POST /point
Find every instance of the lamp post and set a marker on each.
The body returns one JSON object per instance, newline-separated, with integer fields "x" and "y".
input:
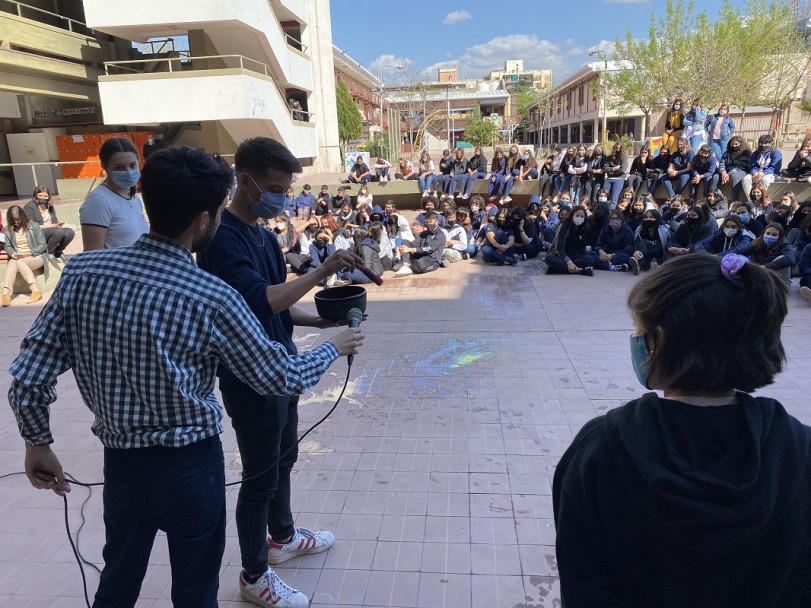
{"x": 602, "y": 91}
{"x": 383, "y": 67}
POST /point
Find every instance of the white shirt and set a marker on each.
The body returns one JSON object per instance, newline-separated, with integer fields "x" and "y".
{"x": 123, "y": 218}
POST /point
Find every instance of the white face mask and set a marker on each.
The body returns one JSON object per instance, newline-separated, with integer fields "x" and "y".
{"x": 578, "y": 220}
{"x": 730, "y": 232}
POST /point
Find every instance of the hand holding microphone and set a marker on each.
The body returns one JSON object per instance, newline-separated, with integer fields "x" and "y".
{"x": 350, "y": 340}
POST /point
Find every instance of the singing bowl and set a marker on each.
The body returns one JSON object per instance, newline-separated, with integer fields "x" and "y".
{"x": 334, "y": 303}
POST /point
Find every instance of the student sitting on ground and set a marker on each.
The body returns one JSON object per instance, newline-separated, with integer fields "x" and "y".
{"x": 499, "y": 239}
{"x": 567, "y": 253}
{"x": 525, "y": 234}
{"x": 731, "y": 237}
{"x": 691, "y": 232}
{"x": 615, "y": 245}
{"x": 425, "y": 253}
{"x": 772, "y": 251}
{"x": 455, "y": 239}
{"x": 804, "y": 266}
{"x": 323, "y": 202}
{"x": 650, "y": 242}
{"x": 305, "y": 202}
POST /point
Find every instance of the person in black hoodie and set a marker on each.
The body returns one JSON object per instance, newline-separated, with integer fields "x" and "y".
{"x": 691, "y": 232}
{"x": 425, "y": 253}
{"x": 702, "y": 497}
{"x": 567, "y": 253}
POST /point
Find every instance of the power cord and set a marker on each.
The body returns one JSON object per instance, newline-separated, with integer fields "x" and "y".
{"x": 74, "y": 545}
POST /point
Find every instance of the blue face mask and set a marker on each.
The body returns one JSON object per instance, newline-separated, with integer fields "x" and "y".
{"x": 640, "y": 359}
{"x": 270, "y": 205}
{"x": 770, "y": 240}
{"x": 125, "y": 179}
{"x": 744, "y": 217}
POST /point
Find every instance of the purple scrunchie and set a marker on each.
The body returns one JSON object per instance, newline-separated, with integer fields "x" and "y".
{"x": 731, "y": 265}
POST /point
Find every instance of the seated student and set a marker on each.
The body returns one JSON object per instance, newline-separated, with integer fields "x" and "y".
{"x": 746, "y": 213}
{"x": 455, "y": 239}
{"x": 359, "y": 173}
{"x": 463, "y": 220}
{"x": 673, "y": 213}
{"x": 799, "y": 169}
{"x": 634, "y": 214}
{"x": 442, "y": 180}
{"x": 734, "y": 165}
{"x": 499, "y": 240}
{"x": 679, "y": 169}
{"x": 658, "y": 169}
{"x": 382, "y": 170}
{"x": 40, "y": 211}
{"x": 323, "y": 202}
{"x": 425, "y": 253}
{"x": 306, "y": 232}
{"x": 764, "y": 165}
{"x": 639, "y": 170}
{"x": 478, "y": 214}
{"x": 405, "y": 170}
{"x": 513, "y": 169}
{"x": 458, "y": 173}
{"x": 320, "y": 250}
{"x": 568, "y": 251}
{"x": 525, "y": 234}
{"x": 429, "y": 205}
{"x": 707, "y": 484}
{"x": 498, "y": 170}
{"x": 704, "y": 176}
{"x": 529, "y": 167}
{"x": 425, "y": 173}
{"x": 287, "y": 237}
{"x": 616, "y": 170}
{"x": 650, "y": 242}
{"x": 691, "y": 232}
{"x": 731, "y": 237}
{"x": 305, "y": 202}
{"x": 546, "y": 176}
{"x": 772, "y": 251}
{"x": 804, "y": 265}
{"x": 799, "y": 228}
{"x": 27, "y": 251}
{"x": 290, "y": 202}
{"x": 563, "y": 178}
{"x": 625, "y": 201}
{"x": 364, "y": 197}
{"x": 615, "y": 245}
{"x": 344, "y": 238}
{"x": 595, "y": 223}
{"x": 578, "y": 174}
{"x": 369, "y": 248}
{"x": 341, "y": 199}
{"x": 718, "y": 204}
{"x": 346, "y": 217}
{"x": 476, "y": 169}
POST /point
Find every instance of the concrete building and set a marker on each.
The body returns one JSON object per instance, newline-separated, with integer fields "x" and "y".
{"x": 249, "y": 61}
{"x": 515, "y": 74}
{"x": 365, "y": 89}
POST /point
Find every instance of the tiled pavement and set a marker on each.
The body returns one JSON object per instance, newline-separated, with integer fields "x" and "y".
{"x": 434, "y": 472}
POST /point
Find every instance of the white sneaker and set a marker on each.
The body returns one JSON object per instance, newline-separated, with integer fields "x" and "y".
{"x": 806, "y": 293}
{"x": 404, "y": 271}
{"x": 271, "y": 592}
{"x": 304, "y": 542}
{"x": 506, "y": 199}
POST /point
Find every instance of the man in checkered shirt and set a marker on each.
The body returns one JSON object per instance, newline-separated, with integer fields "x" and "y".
{"x": 144, "y": 330}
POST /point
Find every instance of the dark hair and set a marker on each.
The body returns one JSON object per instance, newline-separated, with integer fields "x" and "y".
{"x": 656, "y": 215}
{"x": 765, "y": 139}
{"x": 695, "y": 231}
{"x": 432, "y": 199}
{"x": 113, "y": 146}
{"x": 15, "y": 211}
{"x": 732, "y": 218}
{"x": 758, "y": 242}
{"x": 258, "y": 154}
{"x": 431, "y": 215}
{"x": 748, "y": 206}
{"x": 569, "y": 221}
{"x": 375, "y": 231}
{"x": 462, "y": 214}
{"x": 618, "y": 214}
{"x": 40, "y": 190}
{"x": 518, "y": 212}
{"x": 594, "y": 221}
{"x": 682, "y": 299}
{"x": 180, "y": 182}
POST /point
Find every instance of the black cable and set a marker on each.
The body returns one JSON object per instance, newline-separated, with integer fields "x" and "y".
{"x": 77, "y": 554}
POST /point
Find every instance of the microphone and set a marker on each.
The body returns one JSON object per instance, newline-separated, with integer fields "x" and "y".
{"x": 353, "y": 319}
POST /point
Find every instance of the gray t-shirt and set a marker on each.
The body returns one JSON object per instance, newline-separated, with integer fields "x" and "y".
{"x": 123, "y": 218}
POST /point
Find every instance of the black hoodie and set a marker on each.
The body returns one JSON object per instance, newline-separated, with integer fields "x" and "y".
{"x": 662, "y": 504}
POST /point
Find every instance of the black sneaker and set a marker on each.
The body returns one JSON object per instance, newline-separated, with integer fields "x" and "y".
{"x": 587, "y": 271}
{"x": 511, "y": 261}
{"x": 465, "y": 256}
{"x": 634, "y": 264}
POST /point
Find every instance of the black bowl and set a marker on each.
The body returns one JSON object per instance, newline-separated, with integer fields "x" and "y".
{"x": 334, "y": 303}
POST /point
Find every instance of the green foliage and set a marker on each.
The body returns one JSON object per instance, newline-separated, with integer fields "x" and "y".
{"x": 478, "y": 131}
{"x": 377, "y": 146}
{"x": 805, "y": 105}
{"x": 349, "y": 123}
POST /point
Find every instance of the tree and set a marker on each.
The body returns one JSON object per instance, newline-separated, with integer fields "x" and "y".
{"x": 349, "y": 123}
{"x": 478, "y": 131}
{"x": 378, "y": 145}
{"x": 628, "y": 88}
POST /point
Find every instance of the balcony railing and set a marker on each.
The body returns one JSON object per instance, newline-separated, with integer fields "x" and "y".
{"x": 20, "y": 9}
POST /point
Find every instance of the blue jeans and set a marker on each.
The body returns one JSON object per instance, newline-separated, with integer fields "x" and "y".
{"x": 458, "y": 180}
{"x": 719, "y": 146}
{"x": 680, "y": 180}
{"x": 178, "y": 490}
{"x": 495, "y": 184}
{"x": 614, "y": 185}
{"x": 442, "y": 182}
{"x": 265, "y": 426}
{"x": 470, "y": 179}
{"x": 425, "y": 182}
{"x": 562, "y": 183}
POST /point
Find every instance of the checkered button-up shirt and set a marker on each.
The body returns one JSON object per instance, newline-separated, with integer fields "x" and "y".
{"x": 144, "y": 329}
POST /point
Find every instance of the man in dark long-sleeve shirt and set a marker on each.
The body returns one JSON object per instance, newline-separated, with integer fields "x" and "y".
{"x": 144, "y": 331}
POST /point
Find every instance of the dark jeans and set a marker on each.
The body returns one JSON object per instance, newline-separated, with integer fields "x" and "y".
{"x": 57, "y": 239}
{"x": 492, "y": 255}
{"x": 705, "y": 185}
{"x": 178, "y": 490}
{"x": 265, "y": 426}
{"x": 558, "y": 265}
{"x": 675, "y": 185}
{"x": 620, "y": 258}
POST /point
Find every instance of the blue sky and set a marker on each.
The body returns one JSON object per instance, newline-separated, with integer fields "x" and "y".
{"x": 479, "y": 36}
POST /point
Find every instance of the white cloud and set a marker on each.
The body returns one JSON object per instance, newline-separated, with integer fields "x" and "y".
{"x": 455, "y": 17}
{"x": 391, "y": 75}
{"x": 479, "y": 59}
{"x": 603, "y": 45}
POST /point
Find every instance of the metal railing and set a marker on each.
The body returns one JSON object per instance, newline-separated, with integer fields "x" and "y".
{"x": 296, "y": 43}
{"x": 72, "y": 24}
{"x": 228, "y": 61}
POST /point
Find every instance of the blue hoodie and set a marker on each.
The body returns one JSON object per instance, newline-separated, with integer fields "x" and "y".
{"x": 305, "y": 201}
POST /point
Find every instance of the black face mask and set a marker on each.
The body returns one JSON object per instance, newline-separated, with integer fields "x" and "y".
{"x": 500, "y": 223}
{"x": 600, "y": 215}
{"x": 649, "y": 223}
{"x": 763, "y": 147}
{"x": 692, "y": 221}
{"x": 320, "y": 243}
